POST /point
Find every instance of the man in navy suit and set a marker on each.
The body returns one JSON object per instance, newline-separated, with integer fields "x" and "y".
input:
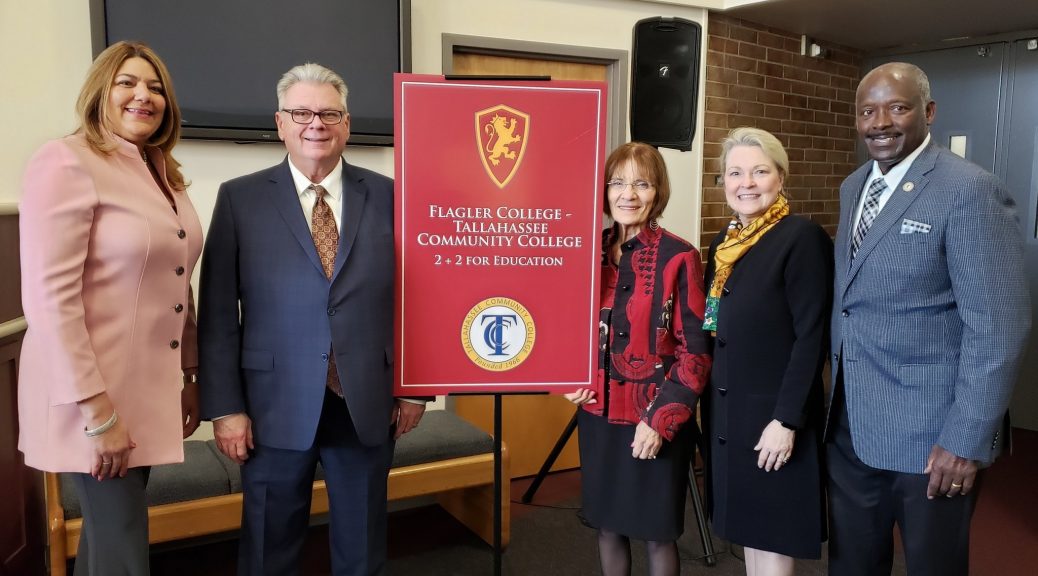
{"x": 930, "y": 318}
{"x": 296, "y": 336}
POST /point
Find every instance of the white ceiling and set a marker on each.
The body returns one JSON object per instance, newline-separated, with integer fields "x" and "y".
{"x": 877, "y": 24}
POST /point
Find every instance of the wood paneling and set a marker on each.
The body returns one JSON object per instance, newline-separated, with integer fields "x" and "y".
{"x": 530, "y": 425}
{"x": 22, "y": 533}
{"x": 10, "y": 279}
{"x": 22, "y": 513}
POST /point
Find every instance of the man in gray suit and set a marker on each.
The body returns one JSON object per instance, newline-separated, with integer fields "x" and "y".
{"x": 930, "y": 317}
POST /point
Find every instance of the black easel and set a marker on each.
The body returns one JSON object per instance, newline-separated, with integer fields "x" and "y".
{"x": 497, "y": 484}
{"x": 498, "y": 475}
{"x": 494, "y": 77}
{"x": 697, "y": 500}
{"x": 498, "y": 480}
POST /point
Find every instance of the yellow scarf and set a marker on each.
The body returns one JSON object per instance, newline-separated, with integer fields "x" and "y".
{"x": 738, "y": 240}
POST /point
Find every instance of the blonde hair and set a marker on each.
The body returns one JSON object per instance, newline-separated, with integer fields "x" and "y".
{"x": 762, "y": 139}
{"x": 650, "y": 164}
{"x": 92, "y": 109}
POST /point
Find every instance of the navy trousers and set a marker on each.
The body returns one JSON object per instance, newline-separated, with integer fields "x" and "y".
{"x": 866, "y": 503}
{"x": 277, "y": 487}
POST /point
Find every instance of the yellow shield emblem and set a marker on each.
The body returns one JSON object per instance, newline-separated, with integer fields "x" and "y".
{"x": 501, "y": 134}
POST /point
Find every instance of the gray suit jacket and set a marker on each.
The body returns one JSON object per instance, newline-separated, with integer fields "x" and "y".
{"x": 931, "y": 317}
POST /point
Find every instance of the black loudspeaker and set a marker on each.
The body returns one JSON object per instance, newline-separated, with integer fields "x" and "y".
{"x": 665, "y": 82}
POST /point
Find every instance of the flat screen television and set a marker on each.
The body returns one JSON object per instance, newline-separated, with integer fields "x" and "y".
{"x": 226, "y": 56}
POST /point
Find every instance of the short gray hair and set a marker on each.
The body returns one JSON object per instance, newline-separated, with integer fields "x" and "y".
{"x": 311, "y": 73}
{"x": 911, "y": 71}
{"x": 762, "y": 139}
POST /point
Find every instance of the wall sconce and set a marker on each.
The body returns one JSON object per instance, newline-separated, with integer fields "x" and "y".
{"x": 808, "y": 47}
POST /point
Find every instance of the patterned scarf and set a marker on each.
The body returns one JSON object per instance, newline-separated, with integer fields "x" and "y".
{"x": 738, "y": 240}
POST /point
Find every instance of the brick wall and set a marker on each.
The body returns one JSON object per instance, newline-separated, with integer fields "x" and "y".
{"x": 755, "y": 76}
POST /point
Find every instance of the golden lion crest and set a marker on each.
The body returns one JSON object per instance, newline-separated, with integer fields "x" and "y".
{"x": 501, "y": 132}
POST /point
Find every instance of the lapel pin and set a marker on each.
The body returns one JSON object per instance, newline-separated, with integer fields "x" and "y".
{"x": 908, "y": 187}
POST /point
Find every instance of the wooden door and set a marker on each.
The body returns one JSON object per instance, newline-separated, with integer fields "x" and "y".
{"x": 485, "y": 64}
{"x": 530, "y": 424}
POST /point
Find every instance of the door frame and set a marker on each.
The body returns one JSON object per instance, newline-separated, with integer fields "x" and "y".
{"x": 615, "y": 62}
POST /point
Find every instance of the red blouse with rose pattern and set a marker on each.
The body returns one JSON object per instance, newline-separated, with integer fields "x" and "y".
{"x": 654, "y": 359}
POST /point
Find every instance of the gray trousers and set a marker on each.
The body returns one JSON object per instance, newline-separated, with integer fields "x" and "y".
{"x": 114, "y": 540}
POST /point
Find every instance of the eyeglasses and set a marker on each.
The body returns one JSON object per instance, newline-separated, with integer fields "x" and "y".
{"x": 304, "y": 116}
{"x": 620, "y": 185}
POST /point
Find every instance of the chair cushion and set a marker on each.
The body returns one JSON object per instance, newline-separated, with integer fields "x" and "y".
{"x": 200, "y": 475}
{"x": 232, "y": 470}
{"x": 440, "y": 435}
{"x": 205, "y": 472}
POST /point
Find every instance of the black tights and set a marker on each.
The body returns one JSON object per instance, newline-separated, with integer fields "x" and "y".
{"x": 614, "y": 552}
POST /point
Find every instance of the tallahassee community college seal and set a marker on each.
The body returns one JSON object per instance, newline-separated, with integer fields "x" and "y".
{"x": 498, "y": 334}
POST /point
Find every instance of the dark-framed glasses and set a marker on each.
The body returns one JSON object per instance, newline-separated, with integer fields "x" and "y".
{"x": 617, "y": 185}
{"x": 306, "y": 116}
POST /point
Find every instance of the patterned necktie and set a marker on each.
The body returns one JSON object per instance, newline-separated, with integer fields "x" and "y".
{"x": 326, "y": 240}
{"x": 868, "y": 213}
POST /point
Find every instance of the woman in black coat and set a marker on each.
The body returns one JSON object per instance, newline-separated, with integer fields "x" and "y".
{"x": 769, "y": 279}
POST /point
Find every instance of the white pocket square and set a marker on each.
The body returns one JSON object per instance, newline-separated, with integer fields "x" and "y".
{"x": 913, "y": 227}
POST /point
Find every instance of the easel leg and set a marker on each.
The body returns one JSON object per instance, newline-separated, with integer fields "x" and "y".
{"x": 697, "y": 505}
{"x": 497, "y": 485}
{"x": 550, "y": 460}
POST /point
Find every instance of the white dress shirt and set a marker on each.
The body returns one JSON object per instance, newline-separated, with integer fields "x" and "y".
{"x": 893, "y": 179}
{"x": 307, "y": 197}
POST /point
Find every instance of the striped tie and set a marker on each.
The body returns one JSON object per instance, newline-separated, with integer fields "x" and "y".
{"x": 868, "y": 213}
{"x": 326, "y": 240}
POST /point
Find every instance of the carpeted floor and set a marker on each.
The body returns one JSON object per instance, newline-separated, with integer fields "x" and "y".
{"x": 549, "y": 540}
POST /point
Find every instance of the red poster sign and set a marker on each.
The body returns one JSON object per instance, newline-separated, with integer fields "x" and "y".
{"x": 498, "y": 234}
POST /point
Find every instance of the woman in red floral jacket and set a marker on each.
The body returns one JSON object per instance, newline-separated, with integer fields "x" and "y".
{"x": 635, "y": 444}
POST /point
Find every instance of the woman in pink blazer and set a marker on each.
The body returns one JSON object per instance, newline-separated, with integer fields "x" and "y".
{"x": 108, "y": 243}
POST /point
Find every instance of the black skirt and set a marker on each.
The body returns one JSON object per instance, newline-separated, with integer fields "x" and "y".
{"x": 642, "y": 499}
